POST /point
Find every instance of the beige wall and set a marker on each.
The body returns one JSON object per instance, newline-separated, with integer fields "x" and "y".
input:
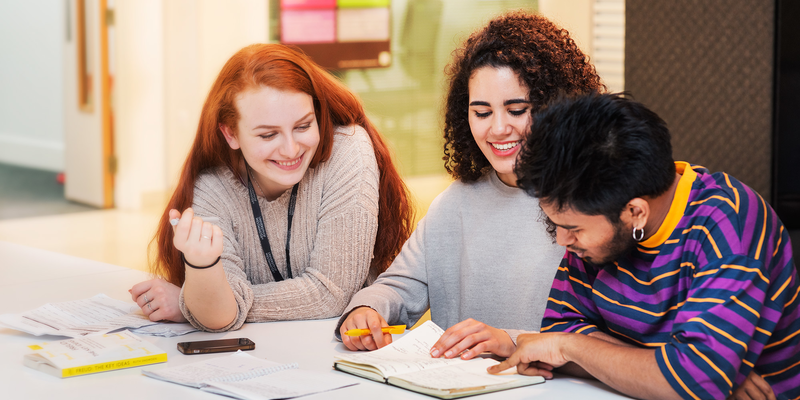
{"x": 576, "y": 16}
{"x": 138, "y": 99}
{"x": 167, "y": 54}
{"x": 200, "y": 36}
{"x": 598, "y": 27}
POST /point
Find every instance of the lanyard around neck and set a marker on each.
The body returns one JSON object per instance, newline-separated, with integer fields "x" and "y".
{"x": 262, "y": 231}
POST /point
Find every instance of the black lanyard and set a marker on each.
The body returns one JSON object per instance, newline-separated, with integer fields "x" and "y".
{"x": 262, "y": 232}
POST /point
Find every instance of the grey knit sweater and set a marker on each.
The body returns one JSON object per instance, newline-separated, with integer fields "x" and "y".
{"x": 333, "y": 235}
{"x": 481, "y": 252}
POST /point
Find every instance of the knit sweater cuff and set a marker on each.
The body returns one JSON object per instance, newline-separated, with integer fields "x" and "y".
{"x": 514, "y": 333}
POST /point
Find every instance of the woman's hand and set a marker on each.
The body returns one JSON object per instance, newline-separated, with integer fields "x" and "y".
{"x": 200, "y": 242}
{"x": 472, "y": 338}
{"x": 158, "y": 300}
{"x": 365, "y": 318}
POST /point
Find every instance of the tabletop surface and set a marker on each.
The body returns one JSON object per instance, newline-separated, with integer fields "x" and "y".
{"x": 31, "y": 277}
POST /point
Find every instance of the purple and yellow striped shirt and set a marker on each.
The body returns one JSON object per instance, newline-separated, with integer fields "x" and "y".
{"x": 714, "y": 292}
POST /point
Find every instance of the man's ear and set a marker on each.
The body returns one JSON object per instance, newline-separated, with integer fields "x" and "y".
{"x": 230, "y": 137}
{"x": 636, "y": 212}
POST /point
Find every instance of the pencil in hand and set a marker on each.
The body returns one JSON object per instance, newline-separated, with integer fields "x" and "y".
{"x": 394, "y": 329}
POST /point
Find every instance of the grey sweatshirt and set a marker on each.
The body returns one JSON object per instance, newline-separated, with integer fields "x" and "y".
{"x": 481, "y": 252}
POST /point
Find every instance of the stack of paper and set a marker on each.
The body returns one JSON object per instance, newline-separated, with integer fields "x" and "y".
{"x": 243, "y": 376}
{"x": 98, "y": 314}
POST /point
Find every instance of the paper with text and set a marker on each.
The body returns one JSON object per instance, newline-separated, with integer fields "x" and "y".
{"x": 98, "y": 314}
{"x": 282, "y": 385}
{"x": 194, "y": 374}
{"x": 242, "y": 376}
{"x": 471, "y": 374}
{"x": 166, "y": 329}
{"x": 412, "y": 353}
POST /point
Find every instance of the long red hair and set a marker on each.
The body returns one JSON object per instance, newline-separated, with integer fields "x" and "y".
{"x": 283, "y": 68}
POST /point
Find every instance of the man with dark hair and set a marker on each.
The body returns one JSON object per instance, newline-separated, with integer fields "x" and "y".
{"x": 677, "y": 283}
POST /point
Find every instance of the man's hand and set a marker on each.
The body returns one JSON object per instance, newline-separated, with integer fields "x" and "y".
{"x": 365, "y": 318}
{"x": 472, "y": 338}
{"x": 753, "y": 388}
{"x": 537, "y": 354}
{"x": 631, "y": 370}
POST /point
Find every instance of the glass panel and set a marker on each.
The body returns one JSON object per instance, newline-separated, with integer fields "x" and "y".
{"x": 405, "y": 100}
{"x": 362, "y": 3}
{"x": 308, "y": 26}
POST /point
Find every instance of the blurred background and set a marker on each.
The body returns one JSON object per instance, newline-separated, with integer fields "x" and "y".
{"x": 99, "y": 99}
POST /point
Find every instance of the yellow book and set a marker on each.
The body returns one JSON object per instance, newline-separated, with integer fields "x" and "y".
{"x": 93, "y": 353}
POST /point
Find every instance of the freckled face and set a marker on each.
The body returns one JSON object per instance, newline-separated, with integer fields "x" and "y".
{"x": 499, "y": 117}
{"x": 278, "y": 135}
{"x": 591, "y": 237}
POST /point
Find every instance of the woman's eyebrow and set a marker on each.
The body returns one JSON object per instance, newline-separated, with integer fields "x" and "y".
{"x": 276, "y": 126}
{"x": 305, "y": 116}
{"x": 505, "y": 103}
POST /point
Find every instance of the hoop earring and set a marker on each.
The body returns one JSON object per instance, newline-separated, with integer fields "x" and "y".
{"x": 638, "y": 237}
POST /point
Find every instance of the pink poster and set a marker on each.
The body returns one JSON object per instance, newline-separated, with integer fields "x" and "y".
{"x": 317, "y": 26}
{"x": 307, "y": 4}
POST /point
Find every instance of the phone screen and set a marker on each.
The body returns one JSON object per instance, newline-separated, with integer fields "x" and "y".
{"x": 216, "y": 346}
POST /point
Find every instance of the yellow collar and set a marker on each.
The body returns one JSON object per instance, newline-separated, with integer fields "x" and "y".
{"x": 678, "y": 206}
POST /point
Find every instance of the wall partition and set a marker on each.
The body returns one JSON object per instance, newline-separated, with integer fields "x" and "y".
{"x": 724, "y": 74}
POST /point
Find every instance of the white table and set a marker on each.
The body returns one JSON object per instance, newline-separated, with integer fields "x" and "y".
{"x": 30, "y": 278}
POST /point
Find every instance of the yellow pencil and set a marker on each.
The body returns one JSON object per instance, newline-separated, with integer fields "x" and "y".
{"x": 394, "y": 329}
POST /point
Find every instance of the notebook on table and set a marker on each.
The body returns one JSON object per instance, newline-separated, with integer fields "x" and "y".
{"x": 407, "y": 363}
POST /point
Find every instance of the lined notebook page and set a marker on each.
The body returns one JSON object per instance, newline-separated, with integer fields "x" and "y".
{"x": 233, "y": 367}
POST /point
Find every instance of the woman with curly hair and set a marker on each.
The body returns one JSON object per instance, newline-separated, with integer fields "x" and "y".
{"x": 310, "y": 206}
{"x": 481, "y": 259}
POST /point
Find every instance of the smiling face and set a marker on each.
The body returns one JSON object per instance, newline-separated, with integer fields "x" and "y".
{"x": 278, "y": 135}
{"x": 499, "y": 117}
{"x": 591, "y": 237}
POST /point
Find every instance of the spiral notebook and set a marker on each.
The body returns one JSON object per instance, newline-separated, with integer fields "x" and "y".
{"x": 243, "y": 376}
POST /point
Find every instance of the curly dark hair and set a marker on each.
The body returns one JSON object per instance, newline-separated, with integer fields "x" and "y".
{"x": 584, "y": 153}
{"x": 546, "y": 59}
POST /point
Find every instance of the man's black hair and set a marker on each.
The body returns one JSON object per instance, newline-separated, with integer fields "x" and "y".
{"x": 594, "y": 153}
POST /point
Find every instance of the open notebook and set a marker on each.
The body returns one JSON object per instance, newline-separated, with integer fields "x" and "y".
{"x": 407, "y": 363}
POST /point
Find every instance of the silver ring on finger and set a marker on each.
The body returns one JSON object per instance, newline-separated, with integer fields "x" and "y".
{"x": 145, "y": 299}
{"x": 149, "y": 307}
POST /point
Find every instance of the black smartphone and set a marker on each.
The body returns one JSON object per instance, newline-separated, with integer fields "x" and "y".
{"x": 216, "y": 346}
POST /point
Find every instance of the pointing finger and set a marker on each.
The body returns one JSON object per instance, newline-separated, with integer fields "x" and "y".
{"x": 508, "y": 363}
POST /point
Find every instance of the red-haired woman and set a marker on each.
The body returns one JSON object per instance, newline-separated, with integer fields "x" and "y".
{"x": 310, "y": 206}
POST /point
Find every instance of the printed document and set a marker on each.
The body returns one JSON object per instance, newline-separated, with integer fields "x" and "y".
{"x": 98, "y": 314}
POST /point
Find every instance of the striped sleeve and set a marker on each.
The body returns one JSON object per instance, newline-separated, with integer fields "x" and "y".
{"x": 570, "y": 307}
{"x": 779, "y": 363}
{"x": 730, "y": 313}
